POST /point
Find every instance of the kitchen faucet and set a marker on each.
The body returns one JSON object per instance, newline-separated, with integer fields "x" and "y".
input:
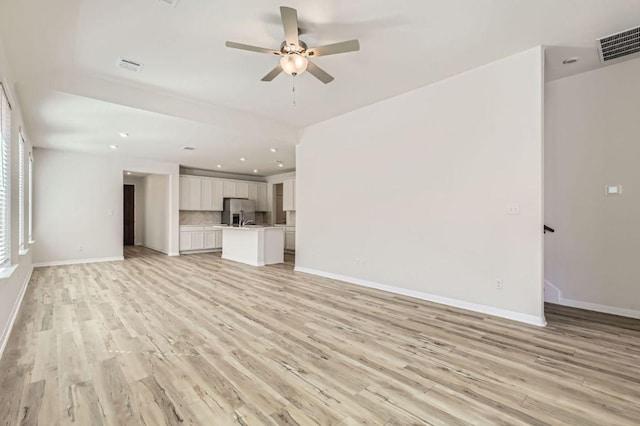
{"x": 245, "y": 222}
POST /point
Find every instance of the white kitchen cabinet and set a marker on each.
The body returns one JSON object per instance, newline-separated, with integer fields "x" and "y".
{"x": 206, "y": 203}
{"x": 209, "y": 239}
{"x": 261, "y": 203}
{"x": 197, "y": 240}
{"x": 242, "y": 190}
{"x": 208, "y": 194}
{"x": 218, "y": 196}
{"x": 185, "y": 240}
{"x": 193, "y": 237}
{"x": 212, "y": 194}
{"x": 289, "y": 195}
{"x": 190, "y": 193}
{"x": 252, "y": 193}
{"x": 236, "y": 189}
{"x": 229, "y": 190}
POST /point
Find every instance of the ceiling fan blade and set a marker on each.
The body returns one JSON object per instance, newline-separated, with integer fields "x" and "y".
{"x": 234, "y": 45}
{"x": 332, "y": 49}
{"x": 319, "y": 73}
{"x": 290, "y": 24}
{"x": 273, "y": 73}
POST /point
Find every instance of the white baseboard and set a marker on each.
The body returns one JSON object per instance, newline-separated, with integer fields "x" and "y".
{"x": 553, "y": 294}
{"x": 217, "y": 250}
{"x": 489, "y": 310}
{"x": 78, "y": 261}
{"x": 6, "y": 333}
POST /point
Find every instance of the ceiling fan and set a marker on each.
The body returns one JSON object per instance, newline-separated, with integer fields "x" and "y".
{"x": 294, "y": 53}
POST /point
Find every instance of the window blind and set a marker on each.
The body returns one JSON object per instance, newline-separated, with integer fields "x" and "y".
{"x": 21, "y": 191}
{"x": 5, "y": 174}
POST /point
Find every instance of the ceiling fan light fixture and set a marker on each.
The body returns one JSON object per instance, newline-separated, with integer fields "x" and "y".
{"x": 294, "y": 63}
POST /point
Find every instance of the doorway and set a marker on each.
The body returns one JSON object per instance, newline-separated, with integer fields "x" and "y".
{"x": 129, "y": 217}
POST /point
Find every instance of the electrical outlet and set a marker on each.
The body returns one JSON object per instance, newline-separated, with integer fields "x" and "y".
{"x": 513, "y": 209}
{"x": 499, "y": 284}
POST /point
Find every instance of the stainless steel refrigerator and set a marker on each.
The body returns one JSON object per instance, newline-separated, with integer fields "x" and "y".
{"x": 238, "y": 211}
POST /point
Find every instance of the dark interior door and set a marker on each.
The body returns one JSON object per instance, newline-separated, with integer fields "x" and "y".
{"x": 129, "y": 215}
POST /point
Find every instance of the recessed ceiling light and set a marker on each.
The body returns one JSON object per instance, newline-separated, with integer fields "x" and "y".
{"x": 255, "y": 170}
{"x": 273, "y": 150}
{"x": 243, "y": 159}
{"x": 124, "y": 135}
{"x": 113, "y": 146}
{"x": 570, "y": 60}
{"x": 280, "y": 165}
{"x": 128, "y": 173}
{"x": 219, "y": 166}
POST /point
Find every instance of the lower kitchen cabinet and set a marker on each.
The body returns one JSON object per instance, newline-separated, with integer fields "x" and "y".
{"x": 194, "y": 238}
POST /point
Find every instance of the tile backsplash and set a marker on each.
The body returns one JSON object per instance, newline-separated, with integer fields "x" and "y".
{"x": 200, "y": 218}
{"x": 212, "y": 218}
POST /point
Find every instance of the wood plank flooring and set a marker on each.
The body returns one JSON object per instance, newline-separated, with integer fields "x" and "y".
{"x": 198, "y": 340}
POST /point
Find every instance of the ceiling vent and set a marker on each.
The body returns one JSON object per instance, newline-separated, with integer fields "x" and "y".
{"x": 188, "y": 148}
{"x": 170, "y": 2}
{"x": 129, "y": 65}
{"x": 620, "y": 46}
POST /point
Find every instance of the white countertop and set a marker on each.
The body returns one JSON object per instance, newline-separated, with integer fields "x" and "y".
{"x": 246, "y": 228}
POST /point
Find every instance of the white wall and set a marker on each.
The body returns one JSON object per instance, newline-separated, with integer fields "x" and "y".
{"x": 78, "y": 205}
{"x": 14, "y": 280}
{"x": 412, "y": 192}
{"x": 592, "y": 140}
{"x": 139, "y": 209}
{"x": 157, "y": 211}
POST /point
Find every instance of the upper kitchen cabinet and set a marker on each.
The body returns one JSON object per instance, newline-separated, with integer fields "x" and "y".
{"x": 258, "y": 194}
{"x": 229, "y": 189}
{"x": 261, "y": 202}
{"x": 236, "y": 189}
{"x": 242, "y": 190}
{"x": 207, "y": 194}
{"x": 211, "y": 194}
{"x": 190, "y": 193}
{"x": 200, "y": 193}
{"x": 289, "y": 195}
{"x": 253, "y": 192}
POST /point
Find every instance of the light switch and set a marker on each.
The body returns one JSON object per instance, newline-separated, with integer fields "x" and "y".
{"x": 614, "y": 189}
{"x": 513, "y": 209}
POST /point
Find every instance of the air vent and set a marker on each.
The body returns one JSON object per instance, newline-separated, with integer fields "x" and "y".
{"x": 129, "y": 65}
{"x": 188, "y": 148}
{"x": 170, "y": 2}
{"x": 620, "y": 46}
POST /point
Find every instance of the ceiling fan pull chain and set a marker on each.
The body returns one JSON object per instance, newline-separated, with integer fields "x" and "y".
{"x": 294, "y": 91}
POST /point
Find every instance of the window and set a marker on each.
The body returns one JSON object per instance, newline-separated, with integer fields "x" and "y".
{"x": 5, "y": 174}
{"x": 21, "y": 191}
{"x": 30, "y": 197}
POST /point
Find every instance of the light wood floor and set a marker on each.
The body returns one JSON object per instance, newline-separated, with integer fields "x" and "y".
{"x": 198, "y": 340}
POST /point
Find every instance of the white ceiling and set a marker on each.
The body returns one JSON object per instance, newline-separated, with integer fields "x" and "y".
{"x": 194, "y": 91}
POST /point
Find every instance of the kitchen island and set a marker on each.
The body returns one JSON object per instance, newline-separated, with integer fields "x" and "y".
{"x": 254, "y": 244}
